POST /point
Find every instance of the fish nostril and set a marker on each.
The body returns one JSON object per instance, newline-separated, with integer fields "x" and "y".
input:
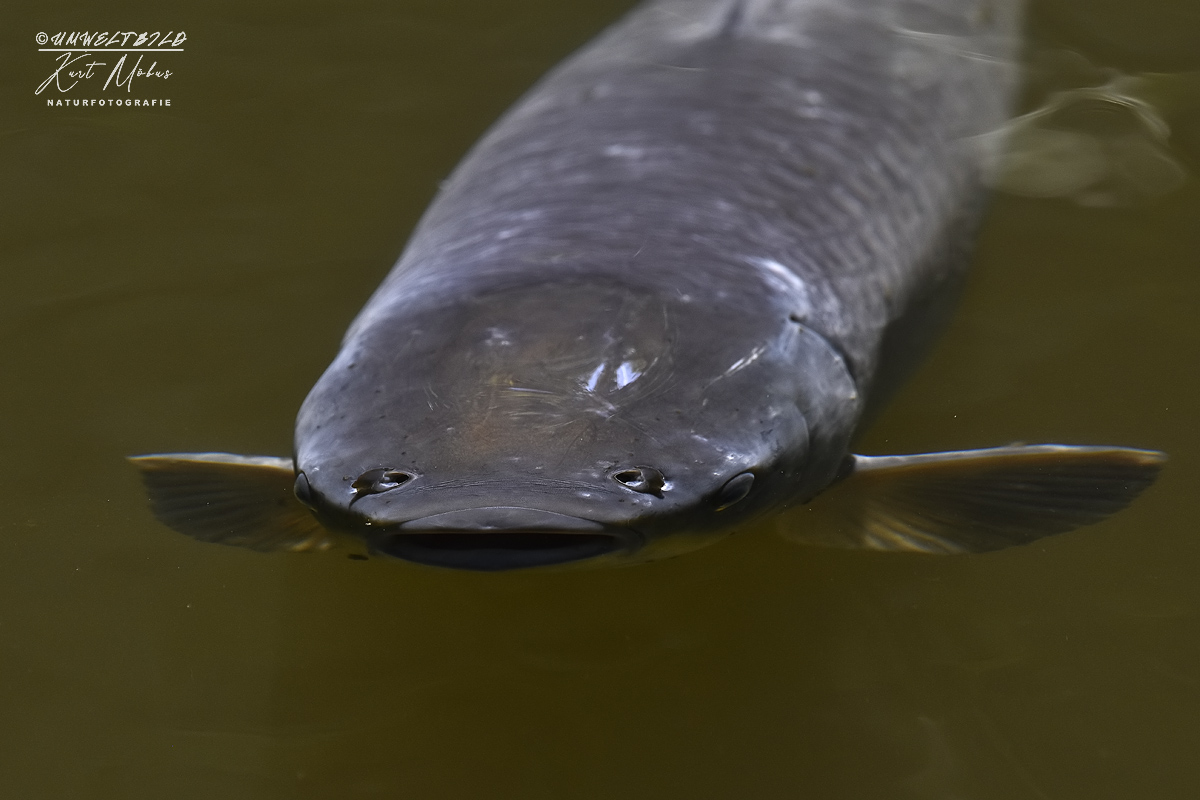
{"x": 645, "y": 480}
{"x": 734, "y": 491}
{"x": 384, "y": 479}
{"x": 303, "y": 491}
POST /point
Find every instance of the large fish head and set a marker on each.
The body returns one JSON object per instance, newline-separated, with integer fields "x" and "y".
{"x": 542, "y": 423}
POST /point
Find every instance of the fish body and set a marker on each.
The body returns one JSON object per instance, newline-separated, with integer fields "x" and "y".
{"x": 658, "y": 298}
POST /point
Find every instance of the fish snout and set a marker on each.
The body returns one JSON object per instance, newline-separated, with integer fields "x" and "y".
{"x": 494, "y": 538}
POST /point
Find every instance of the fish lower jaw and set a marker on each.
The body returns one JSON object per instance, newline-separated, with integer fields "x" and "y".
{"x": 495, "y": 551}
{"x": 496, "y": 538}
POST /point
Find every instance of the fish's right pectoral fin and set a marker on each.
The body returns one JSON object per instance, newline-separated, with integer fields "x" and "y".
{"x": 973, "y": 501}
{"x": 245, "y": 501}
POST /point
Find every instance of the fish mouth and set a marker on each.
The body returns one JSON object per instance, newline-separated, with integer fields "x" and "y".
{"x": 499, "y": 538}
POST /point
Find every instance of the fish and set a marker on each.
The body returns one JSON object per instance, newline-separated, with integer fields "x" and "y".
{"x": 659, "y": 298}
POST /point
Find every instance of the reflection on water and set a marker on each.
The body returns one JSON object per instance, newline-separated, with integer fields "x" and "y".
{"x": 1105, "y": 142}
{"x": 177, "y": 279}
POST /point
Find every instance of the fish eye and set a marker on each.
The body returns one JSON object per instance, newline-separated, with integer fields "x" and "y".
{"x": 646, "y": 480}
{"x": 303, "y": 491}
{"x": 734, "y": 491}
{"x": 383, "y": 479}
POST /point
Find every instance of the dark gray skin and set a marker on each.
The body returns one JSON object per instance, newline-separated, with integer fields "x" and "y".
{"x": 736, "y": 205}
{"x": 660, "y": 297}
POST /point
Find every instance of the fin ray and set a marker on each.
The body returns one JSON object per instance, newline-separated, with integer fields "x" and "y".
{"x": 244, "y": 501}
{"x": 972, "y": 501}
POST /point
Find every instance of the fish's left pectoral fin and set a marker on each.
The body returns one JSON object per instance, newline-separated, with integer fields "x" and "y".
{"x": 973, "y": 501}
{"x": 244, "y": 501}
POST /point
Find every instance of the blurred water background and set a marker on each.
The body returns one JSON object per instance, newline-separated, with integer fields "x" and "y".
{"x": 175, "y": 279}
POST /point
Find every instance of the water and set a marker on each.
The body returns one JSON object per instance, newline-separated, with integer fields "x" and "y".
{"x": 176, "y": 279}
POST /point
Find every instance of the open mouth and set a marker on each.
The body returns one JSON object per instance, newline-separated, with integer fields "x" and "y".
{"x": 498, "y": 551}
{"x": 500, "y": 538}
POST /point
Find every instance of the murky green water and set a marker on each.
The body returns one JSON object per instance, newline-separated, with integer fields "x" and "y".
{"x": 176, "y": 279}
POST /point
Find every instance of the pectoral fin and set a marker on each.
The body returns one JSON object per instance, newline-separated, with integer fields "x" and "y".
{"x": 973, "y": 501}
{"x": 245, "y": 501}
